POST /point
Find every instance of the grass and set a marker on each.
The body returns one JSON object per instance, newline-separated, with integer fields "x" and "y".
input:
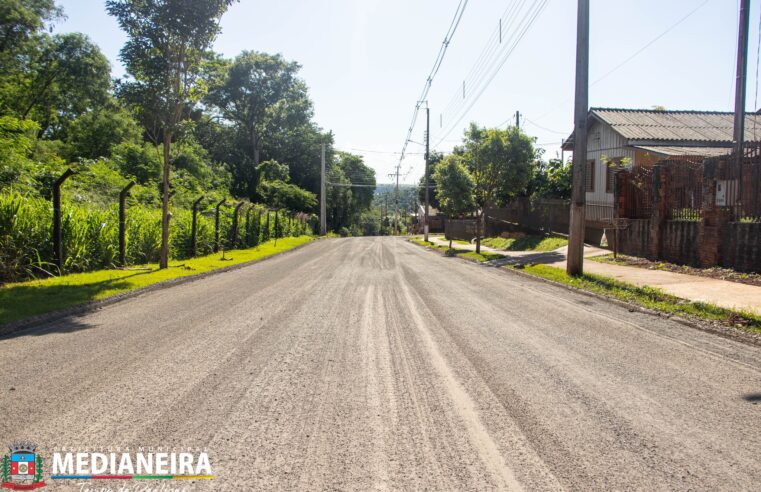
{"x": 23, "y": 299}
{"x": 649, "y": 297}
{"x": 462, "y": 253}
{"x": 527, "y": 243}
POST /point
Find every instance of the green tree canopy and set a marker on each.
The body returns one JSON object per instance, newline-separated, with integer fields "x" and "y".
{"x": 454, "y": 187}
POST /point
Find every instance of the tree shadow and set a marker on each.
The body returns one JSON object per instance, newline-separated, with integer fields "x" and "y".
{"x": 547, "y": 257}
{"x": 22, "y": 301}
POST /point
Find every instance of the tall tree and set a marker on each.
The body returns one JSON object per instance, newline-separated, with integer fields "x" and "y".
{"x": 500, "y": 163}
{"x": 262, "y": 95}
{"x": 167, "y": 43}
{"x": 454, "y": 188}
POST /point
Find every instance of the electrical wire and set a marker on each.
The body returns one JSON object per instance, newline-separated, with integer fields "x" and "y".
{"x": 521, "y": 28}
{"x": 435, "y": 70}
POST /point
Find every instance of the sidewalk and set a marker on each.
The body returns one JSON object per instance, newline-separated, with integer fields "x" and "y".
{"x": 722, "y": 293}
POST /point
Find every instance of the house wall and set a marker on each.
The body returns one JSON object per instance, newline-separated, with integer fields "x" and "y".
{"x": 603, "y": 141}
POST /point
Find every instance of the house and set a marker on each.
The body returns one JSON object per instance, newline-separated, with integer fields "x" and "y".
{"x": 641, "y": 137}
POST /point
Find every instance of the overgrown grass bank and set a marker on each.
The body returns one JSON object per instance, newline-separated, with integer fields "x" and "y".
{"x": 648, "y": 297}
{"x": 527, "y": 243}
{"x": 23, "y": 299}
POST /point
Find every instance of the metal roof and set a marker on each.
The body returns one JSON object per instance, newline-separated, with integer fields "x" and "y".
{"x": 677, "y": 128}
{"x": 686, "y": 151}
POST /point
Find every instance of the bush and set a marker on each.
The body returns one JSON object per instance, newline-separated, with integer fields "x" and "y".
{"x": 91, "y": 234}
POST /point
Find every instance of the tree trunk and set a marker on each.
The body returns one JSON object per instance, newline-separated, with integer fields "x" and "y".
{"x": 164, "y": 259}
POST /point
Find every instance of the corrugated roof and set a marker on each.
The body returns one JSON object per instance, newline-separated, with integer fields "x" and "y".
{"x": 680, "y": 128}
{"x": 687, "y": 151}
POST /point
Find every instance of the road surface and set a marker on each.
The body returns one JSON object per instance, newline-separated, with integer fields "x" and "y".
{"x": 371, "y": 363}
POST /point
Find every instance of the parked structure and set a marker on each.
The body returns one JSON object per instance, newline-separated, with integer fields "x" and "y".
{"x": 644, "y": 137}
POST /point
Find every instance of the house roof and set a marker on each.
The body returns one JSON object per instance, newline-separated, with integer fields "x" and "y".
{"x": 685, "y": 151}
{"x": 674, "y": 128}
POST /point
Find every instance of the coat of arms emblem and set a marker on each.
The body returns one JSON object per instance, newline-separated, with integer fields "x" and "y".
{"x": 22, "y": 468}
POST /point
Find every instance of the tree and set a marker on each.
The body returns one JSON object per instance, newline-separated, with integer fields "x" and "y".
{"x": 262, "y": 95}
{"x": 167, "y": 43}
{"x": 22, "y": 20}
{"x": 60, "y": 78}
{"x": 500, "y": 163}
{"x": 454, "y": 188}
{"x": 95, "y": 133}
{"x": 357, "y": 173}
{"x": 435, "y": 158}
{"x": 551, "y": 179}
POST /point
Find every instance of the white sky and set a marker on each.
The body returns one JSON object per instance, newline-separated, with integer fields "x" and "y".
{"x": 366, "y": 61}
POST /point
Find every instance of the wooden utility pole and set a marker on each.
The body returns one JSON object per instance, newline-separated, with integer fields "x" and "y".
{"x": 323, "y": 206}
{"x": 742, "y": 68}
{"x": 427, "y": 167}
{"x": 575, "y": 260}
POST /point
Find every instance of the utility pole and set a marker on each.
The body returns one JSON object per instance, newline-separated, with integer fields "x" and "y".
{"x": 517, "y": 119}
{"x": 575, "y": 260}
{"x": 323, "y": 218}
{"x": 427, "y": 167}
{"x": 742, "y": 68}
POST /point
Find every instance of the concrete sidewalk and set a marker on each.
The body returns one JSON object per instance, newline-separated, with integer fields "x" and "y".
{"x": 723, "y": 293}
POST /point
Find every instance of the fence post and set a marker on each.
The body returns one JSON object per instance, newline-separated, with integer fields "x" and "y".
{"x": 57, "y": 236}
{"x": 216, "y": 225}
{"x": 247, "y": 226}
{"x": 267, "y": 226}
{"x": 234, "y": 232}
{"x": 194, "y": 226}
{"x": 658, "y": 218}
{"x": 277, "y": 227}
{"x": 122, "y": 222}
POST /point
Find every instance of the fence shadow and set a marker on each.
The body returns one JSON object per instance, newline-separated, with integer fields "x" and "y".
{"x": 18, "y": 302}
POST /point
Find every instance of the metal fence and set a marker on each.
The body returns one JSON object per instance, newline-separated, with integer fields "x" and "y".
{"x": 738, "y": 184}
{"x": 635, "y": 193}
{"x": 683, "y": 194}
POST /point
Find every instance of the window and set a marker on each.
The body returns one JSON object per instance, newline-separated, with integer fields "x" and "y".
{"x": 610, "y": 176}
{"x": 590, "y": 176}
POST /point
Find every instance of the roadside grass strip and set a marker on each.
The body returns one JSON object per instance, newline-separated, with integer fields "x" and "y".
{"x": 461, "y": 253}
{"x": 24, "y": 299}
{"x": 647, "y": 297}
{"x": 527, "y": 243}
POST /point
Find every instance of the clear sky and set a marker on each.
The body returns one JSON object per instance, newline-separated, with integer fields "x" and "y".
{"x": 366, "y": 61}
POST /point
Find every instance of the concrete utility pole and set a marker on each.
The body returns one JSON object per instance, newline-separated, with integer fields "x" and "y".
{"x": 575, "y": 261}
{"x": 742, "y": 68}
{"x": 323, "y": 204}
{"x": 517, "y": 119}
{"x": 427, "y": 166}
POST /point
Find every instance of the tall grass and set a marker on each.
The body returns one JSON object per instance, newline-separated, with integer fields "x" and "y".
{"x": 91, "y": 235}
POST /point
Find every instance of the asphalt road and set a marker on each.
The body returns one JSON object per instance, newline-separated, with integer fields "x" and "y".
{"x": 370, "y": 363}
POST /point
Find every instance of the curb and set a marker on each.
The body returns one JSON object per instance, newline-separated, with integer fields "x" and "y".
{"x": 702, "y": 325}
{"x": 721, "y": 330}
{"x": 14, "y": 327}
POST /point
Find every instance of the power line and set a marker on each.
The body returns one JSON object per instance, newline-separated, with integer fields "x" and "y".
{"x": 487, "y": 74}
{"x": 633, "y": 55}
{"x": 434, "y": 70}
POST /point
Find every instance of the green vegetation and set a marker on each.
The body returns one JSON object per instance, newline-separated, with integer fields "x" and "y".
{"x": 182, "y": 123}
{"x": 526, "y": 243}
{"x": 461, "y": 253}
{"x": 24, "y": 299}
{"x": 91, "y": 234}
{"x": 648, "y": 297}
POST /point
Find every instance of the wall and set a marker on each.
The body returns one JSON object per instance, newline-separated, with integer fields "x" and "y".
{"x": 603, "y": 141}
{"x": 634, "y": 239}
{"x": 680, "y": 242}
{"x": 741, "y": 246}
